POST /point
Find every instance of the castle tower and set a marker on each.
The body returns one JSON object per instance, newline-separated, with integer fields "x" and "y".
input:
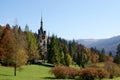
{"x": 42, "y": 41}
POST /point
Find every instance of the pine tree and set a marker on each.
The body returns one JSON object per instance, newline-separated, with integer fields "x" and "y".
{"x": 54, "y": 51}
{"x": 82, "y": 56}
{"x": 72, "y": 50}
{"x": 32, "y": 46}
{"x": 110, "y": 54}
{"x": 102, "y": 55}
{"x": 117, "y": 56}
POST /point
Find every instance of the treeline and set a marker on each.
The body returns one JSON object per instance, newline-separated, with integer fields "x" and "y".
{"x": 63, "y": 52}
{"x": 19, "y": 47}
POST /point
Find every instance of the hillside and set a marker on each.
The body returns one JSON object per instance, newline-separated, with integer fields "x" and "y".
{"x": 109, "y": 44}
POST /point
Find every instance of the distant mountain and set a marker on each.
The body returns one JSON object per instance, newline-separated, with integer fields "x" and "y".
{"x": 109, "y": 44}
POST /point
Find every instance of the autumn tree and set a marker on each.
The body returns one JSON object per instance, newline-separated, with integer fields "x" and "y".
{"x": 1, "y": 31}
{"x": 7, "y": 46}
{"x": 20, "y": 56}
{"x": 94, "y": 57}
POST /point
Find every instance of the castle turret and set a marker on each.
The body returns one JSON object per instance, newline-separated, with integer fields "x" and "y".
{"x": 42, "y": 41}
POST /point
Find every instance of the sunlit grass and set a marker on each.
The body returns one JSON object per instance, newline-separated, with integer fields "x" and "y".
{"x": 29, "y": 72}
{"x": 33, "y": 72}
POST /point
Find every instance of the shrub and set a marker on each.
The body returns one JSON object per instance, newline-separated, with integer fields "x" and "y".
{"x": 62, "y": 72}
{"x": 87, "y": 74}
{"x": 102, "y": 73}
{"x": 113, "y": 69}
{"x": 92, "y": 73}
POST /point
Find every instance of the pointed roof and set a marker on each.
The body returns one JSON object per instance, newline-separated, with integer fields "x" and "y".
{"x": 41, "y": 25}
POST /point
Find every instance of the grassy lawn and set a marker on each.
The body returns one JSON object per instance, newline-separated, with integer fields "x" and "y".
{"x": 29, "y": 72}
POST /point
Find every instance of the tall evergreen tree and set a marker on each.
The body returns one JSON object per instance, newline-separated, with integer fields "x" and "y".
{"x": 54, "y": 51}
{"x": 110, "y": 54}
{"x": 82, "y": 56}
{"x": 32, "y": 46}
{"x": 72, "y": 50}
{"x": 117, "y": 56}
{"x": 67, "y": 58}
{"x": 102, "y": 55}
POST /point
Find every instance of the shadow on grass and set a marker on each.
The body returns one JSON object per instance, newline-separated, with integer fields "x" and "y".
{"x": 46, "y": 64}
{"x": 49, "y": 78}
{"x": 5, "y": 75}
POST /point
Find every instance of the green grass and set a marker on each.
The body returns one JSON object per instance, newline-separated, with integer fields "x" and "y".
{"x": 29, "y": 72}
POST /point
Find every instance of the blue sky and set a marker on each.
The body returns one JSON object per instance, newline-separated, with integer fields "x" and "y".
{"x": 78, "y": 19}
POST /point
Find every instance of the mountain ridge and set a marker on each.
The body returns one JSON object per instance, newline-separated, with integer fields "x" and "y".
{"x": 109, "y": 44}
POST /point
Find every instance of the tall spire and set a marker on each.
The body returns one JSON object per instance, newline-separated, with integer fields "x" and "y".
{"x": 41, "y": 27}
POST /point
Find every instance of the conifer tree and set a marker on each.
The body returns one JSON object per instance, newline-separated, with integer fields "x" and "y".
{"x": 82, "y": 56}
{"x": 102, "y": 55}
{"x": 7, "y": 46}
{"x": 117, "y": 56}
{"x": 32, "y": 46}
{"x": 54, "y": 51}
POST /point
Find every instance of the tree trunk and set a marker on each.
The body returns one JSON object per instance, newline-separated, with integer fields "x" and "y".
{"x": 15, "y": 70}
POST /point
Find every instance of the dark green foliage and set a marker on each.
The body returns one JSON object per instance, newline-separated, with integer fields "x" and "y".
{"x": 102, "y": 56}
{"x": 110, "y": 54}
{"x": 68, "y": 60}
{"x": 62, "y": 58}
{"x": 54, "y": 51}
{"x": 82, "y": 56}
{"x": 117, "y": 56}
{"x": 72, "y": 49}
{"x": 32, "y": 45}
